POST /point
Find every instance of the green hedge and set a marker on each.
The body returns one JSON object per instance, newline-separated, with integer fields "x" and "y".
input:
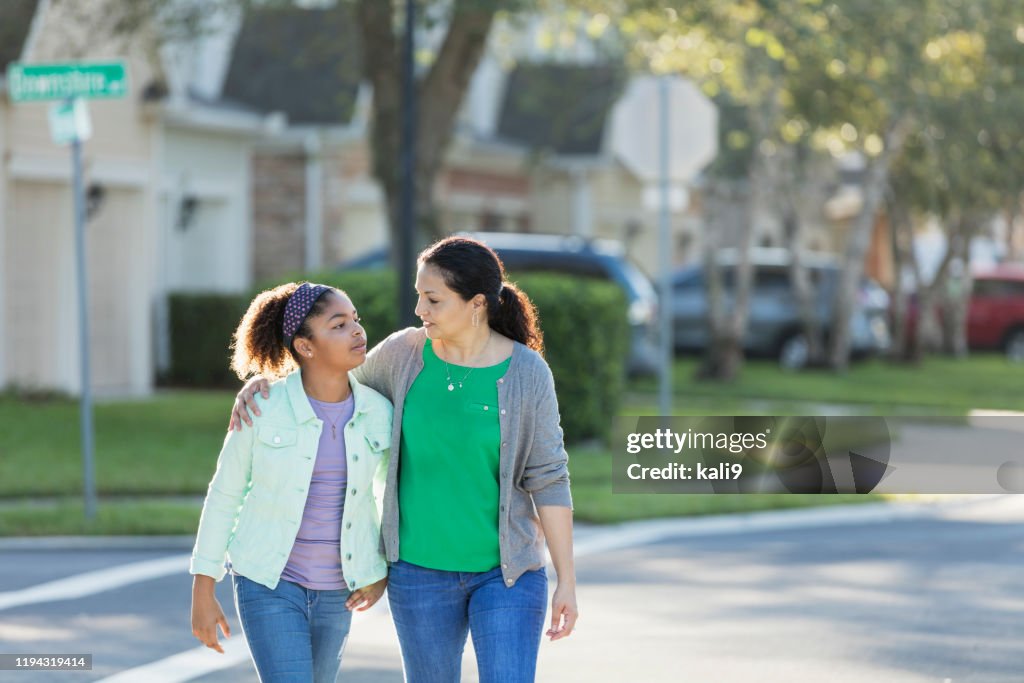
{"x": 201, "y": 328}
{"x": 586, "y": 337}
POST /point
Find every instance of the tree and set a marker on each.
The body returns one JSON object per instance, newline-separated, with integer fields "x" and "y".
{"x": 458, "y": 29}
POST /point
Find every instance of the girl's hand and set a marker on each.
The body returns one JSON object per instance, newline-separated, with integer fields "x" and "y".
{"x": 367, "y": 596}
{"x": 563, "y": 611}
{"x": 206, "y": 616}
{"x": 246, "y": 401}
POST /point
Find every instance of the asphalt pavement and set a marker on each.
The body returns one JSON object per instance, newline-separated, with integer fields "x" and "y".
{"x": 893, "y": 593}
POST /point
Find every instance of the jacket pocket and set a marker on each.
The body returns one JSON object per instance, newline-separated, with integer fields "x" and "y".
{"x": 378, "y": 441}
{"x": 274, "y": 452}
{"x": 276, "y": 437}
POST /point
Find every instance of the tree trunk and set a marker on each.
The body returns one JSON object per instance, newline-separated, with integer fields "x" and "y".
{"x": 956, "y": 289}
{"x": 901, "y": 233}
{"x": 873, "y": 188}
{"x": 928, "y": 335}
{"x": 728, "y": 205}
{"x": 794, "y": 184}
{"x": 439, "y": 97}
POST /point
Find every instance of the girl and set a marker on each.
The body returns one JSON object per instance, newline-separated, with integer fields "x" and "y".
{"x": 294, "y": 503}
{"x": 483, "y": 481}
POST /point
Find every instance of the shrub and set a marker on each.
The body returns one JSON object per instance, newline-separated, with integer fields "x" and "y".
{"x": 586, "y": 337}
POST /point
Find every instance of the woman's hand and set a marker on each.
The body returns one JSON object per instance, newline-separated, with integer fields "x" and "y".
{"x": 246, "y": 401}
{"x": 563, "y": 611}
{"x": 367, "y": 596}
{"x": 207, "y": 614}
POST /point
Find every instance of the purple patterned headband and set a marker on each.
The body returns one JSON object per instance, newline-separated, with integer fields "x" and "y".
{"x": 297, "y": 308}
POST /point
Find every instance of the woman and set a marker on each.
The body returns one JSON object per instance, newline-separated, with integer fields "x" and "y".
{"x": 292, "y": 503}
{"x": 483, "y": 478}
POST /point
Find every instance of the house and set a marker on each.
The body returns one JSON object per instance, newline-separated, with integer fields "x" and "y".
{"x": 167, "y": 178}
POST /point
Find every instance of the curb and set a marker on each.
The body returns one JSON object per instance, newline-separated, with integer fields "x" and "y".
{"x": 35, "y": 543}
{"x": 591, "y": 538}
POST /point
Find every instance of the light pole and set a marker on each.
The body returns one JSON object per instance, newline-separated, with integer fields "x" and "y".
{"x": 407, "y": 160}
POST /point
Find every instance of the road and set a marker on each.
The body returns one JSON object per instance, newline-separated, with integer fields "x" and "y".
{"x": 907, "y": 594}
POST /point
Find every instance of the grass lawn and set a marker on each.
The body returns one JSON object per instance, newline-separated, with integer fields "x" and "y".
{"x": 151, "y": 450}
{"x": 65, "y": 517}
{"x": 167, "y": 445}
{"x": 939, "y": 386}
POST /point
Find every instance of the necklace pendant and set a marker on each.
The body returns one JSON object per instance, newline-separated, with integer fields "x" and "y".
{"x": 451, "y": 387}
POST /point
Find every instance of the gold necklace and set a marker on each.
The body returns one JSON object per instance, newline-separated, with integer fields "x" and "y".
{"x": 333, "y": 423}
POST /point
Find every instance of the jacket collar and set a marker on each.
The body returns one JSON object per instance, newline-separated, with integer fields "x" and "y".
{"x": 300, "y": 402}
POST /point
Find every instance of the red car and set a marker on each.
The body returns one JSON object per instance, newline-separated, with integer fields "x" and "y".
{"x": 995, "y": 316}
{"x": 995, "y": 319}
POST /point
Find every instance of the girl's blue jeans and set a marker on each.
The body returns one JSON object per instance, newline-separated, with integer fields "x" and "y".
{"x": 295, "y": 634}
{"x": 434, "y": 610}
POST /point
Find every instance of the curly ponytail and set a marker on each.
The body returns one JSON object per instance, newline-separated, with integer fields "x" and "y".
{"x": 258, "y": 343}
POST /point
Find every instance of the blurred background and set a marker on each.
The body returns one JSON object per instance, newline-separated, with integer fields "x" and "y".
{"x": 821, "y": 199}
{"x": 840, "y": 198}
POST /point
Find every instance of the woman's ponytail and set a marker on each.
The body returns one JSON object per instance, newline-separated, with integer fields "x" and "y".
{"x": 515, "y": 316}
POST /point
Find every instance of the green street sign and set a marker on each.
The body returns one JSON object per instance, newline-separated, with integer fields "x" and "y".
{"x": 32, "y": 82}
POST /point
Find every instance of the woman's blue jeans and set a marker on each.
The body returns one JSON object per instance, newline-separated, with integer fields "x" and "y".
{"x": 295, "y": 634}
{"x": 434, "y": 610}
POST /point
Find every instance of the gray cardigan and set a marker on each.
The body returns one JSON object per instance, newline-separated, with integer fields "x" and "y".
{"x": 533, "y": 462}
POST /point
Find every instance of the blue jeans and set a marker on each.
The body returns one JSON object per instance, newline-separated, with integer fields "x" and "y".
{"x": 433, "y": 611}
{"x": 295, "y": 634}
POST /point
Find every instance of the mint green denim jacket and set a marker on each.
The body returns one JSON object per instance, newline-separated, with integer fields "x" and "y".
{"x": 255, "y": 501}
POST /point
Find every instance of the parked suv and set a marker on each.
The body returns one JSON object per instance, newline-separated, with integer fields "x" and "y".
{"x": 595, "y": 258}
{"x": 995, "y": 316}
{"x": 774, "y": 328}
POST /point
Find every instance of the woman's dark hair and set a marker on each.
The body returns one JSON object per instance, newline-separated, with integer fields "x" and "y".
{"x": 470, "y": 267}
{"x": 258, "y": 342}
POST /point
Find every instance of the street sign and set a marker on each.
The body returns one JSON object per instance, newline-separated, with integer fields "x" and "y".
{"x": 69, "y": 121}
{"x": 72, "y": 82}
{"x": 637, "y": 138}
{"x": 31, "y": 82}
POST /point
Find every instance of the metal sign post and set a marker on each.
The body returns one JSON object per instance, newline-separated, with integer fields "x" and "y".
{"x": 69, "y": 125}
{"x": 88, "y": 467}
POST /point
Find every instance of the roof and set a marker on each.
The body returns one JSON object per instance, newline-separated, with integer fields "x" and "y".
{"x": 562, "y": 108}
{"x": 15, "y": 22}
{"x": 303, "y": 62}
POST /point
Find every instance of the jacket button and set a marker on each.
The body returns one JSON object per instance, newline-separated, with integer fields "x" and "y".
{"x": 502, "y": 508}
{"x": 504, "y": 475}
{"x": 376, "y": 444}
{"x": 352, "y": 584}
{"x": 353, "y": 492}
{"x": 356, "y": 458}
{"x": 277, "y": 439}
{"x": 504, "y": 566}
{"x": 509, "y": 582}
{"x": 501, "y": 381}
{"x": 348, "y": 556}
{"x": 348, "y": 525}
{"x": 503, "y": 411}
